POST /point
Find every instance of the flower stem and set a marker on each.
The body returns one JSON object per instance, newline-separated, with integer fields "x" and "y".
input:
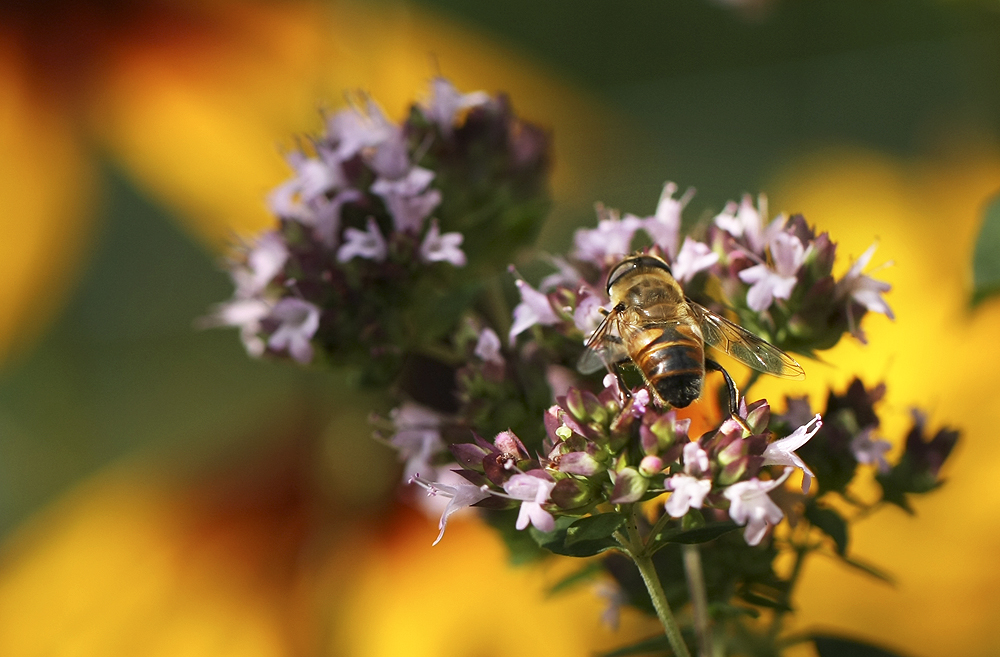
{"x": 644, "y": 562}
{"x": 699, "y": 598}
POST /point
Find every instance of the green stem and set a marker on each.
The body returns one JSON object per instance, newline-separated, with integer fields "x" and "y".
{"x": 699, "y": 598}
{"x": 637, "y": 550}
{"x": 651, "y": 545}
{"x": 496, "y": 305}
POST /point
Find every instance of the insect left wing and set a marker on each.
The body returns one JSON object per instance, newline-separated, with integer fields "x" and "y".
{"x": 744, "y": 346}
{"x": 604, "y": 348}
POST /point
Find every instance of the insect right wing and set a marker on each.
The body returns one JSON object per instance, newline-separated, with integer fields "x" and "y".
{"x": 744, "y": 346}
{"x": 605, "y": 346}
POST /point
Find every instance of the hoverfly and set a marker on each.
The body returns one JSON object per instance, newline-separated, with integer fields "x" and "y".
{"x": 664, "y": 334}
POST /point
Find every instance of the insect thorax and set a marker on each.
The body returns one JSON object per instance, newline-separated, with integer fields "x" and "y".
{"x": 654, "y": 294}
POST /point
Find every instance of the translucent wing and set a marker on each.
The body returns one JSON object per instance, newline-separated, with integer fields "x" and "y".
{"x": 743, "y": 345}
{"x": 605, "y": 346}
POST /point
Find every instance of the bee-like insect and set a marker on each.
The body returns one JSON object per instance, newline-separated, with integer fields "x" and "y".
{"x": 664, "y": 334}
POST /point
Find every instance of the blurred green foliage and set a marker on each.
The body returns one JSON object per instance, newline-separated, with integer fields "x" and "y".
{"x": 715, "y": 98}
{"x": 124, "y": 368}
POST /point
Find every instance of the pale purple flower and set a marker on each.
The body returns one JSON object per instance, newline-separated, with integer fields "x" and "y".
{"x": 410, "y": 183}
{"x": 665, "y": 224}
{"x": 694, "y": 257}
{"x": 533, "y": 489}
{"x": 588, "y": 316}
{"x": 488, "y": 347}
{"x": 408, "y": 212}
{"x": 767, "y": 283}
{"x": 325, "y": 218}
{"x": 695, "y": 459}
{"x": 315, "y": 177}
{"x": 246, "y": 314}
{"x": 368, "y": 244}
{"x": 462, "y": 494}
{"x": 616, "y": 599}
{"x": 688, "y": 492}
{"x": 533, "y": 309}
{"x": 352, "y": 131}
{"x": 442, "y": 248}
{"x": 406, "y": 198}
{"x": 296, "y": 198}
{"x": 305, "y": 198}
{"x": 390, "y": 160}
{"x": 869, "y": 451}
{"x": 263, "y": 262}
{"x": 417, "y": 438}
{"x": 566, "y": 275}
{"x": 560, "y": 380}
{"x": 746, "y": 221}
{"x": 611, "y": 239}
{"x": 297, "y": 324}
{"x": 640, "y": 400}
{"x": 446, "y": 102}
{"x": 782, "y": 452}
{"x": 864, "y": 290}
{"x": 750, "y": 505}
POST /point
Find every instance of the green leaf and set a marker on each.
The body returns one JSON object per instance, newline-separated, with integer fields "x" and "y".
{"x": 832, "y": 646}
{"x": 830, "y": 523}
{"x": 763, "y": 601}
{"x": 122, "y": 371}
{"x": 869, "y": 569}
{"x": 557, "y": 541}
{"x": 656, "y": 644}
{"x": 704, "y": 534}
{"x": 986, "y": 260}
{"x": 594, "y": 528}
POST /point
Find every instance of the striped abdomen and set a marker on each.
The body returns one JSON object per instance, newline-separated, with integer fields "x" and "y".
{"x": 671, "y": 356}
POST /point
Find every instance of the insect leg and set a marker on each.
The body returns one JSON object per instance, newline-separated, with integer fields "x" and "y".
{"x": 734, "y": 395}
{"x": 626, "y": 393}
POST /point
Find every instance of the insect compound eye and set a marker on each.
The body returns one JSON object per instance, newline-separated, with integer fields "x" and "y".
{"x": 619, "y": 270}
{"x": 634, "y": 263}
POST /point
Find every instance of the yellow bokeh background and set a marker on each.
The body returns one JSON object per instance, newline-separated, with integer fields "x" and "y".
{"x": 132, "y": 561}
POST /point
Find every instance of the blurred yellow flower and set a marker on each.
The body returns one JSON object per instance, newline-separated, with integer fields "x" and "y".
{"x": 939, "y": 356}
{"x": 131, "y": 563}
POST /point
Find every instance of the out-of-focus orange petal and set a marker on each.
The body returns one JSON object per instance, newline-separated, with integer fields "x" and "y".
{"x": 45, "y": 199}
{"x": 937, "y": 355}
{"x": 201, "y": 125}
{"x": 116, "y": 568}
{"x": 461, "y": 598}
{"x": 128, "y": 564}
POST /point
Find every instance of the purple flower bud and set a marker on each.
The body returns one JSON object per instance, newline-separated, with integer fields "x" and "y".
{"x": 650, "y": 465}
{"x": 630, "y": 486}
{"x": 571, "y": 493}
{"x": 758, "y": 415}
{"x": 469, "y": 455}
{"x": 580, "y": 463}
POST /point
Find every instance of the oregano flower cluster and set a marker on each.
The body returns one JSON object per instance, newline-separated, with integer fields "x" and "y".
{"x": 382, "y": 225}
{"x": 389, "y": 260}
